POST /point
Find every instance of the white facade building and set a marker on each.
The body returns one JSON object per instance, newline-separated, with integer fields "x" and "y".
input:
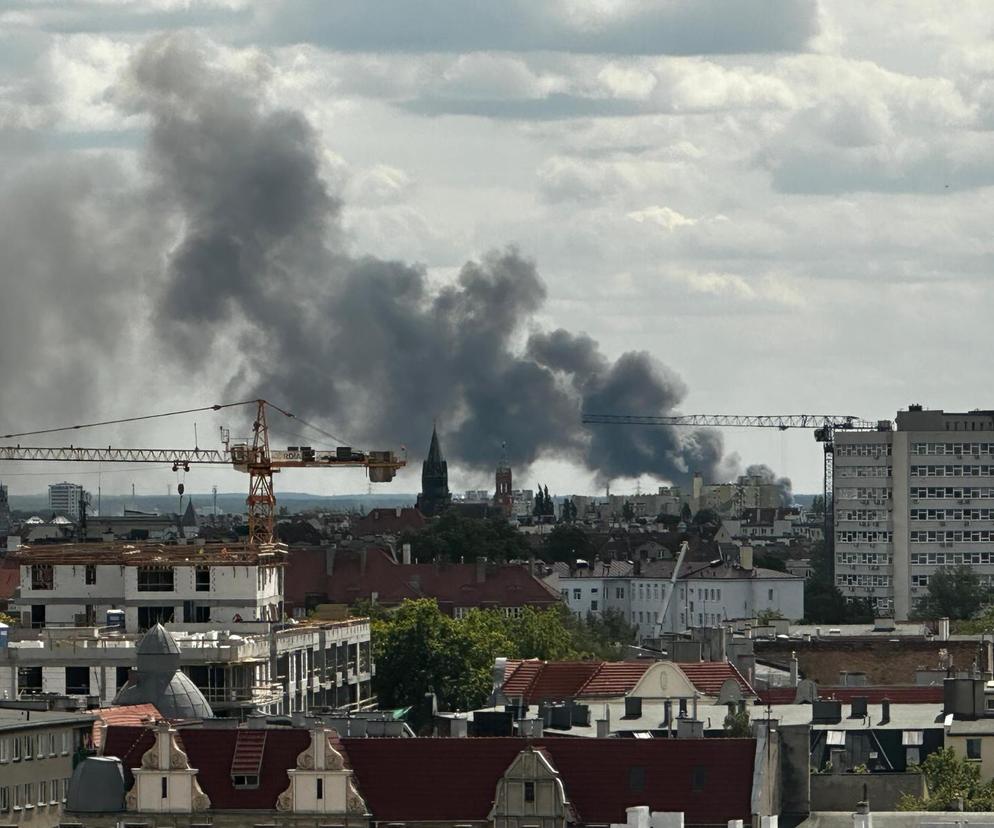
{"x": 222, "y": 604}
{"x": 63, "y": 499}
{"x": 705, "y": 595}
{"x": 911, "y": 501}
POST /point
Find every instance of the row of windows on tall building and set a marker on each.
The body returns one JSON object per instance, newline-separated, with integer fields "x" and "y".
{"x": 951, "y": 514}
{"x": 951, "y": 470}
{"x": 851, "y": 579}
{"x": 863, "y": 471}
{"x": 950, "y": 492}
{"x": 862, "y": 514}
{"x": 951, "y": 558}
{"x": 951, "y": 536}
{"x": 863, "y": 450}
{"x": 150, "y": 578}
{"x": 864, "y": 558}
{"x": 875, "y": 494}
{"x": 864, "y": 536}
{"x": 954, "y": 449}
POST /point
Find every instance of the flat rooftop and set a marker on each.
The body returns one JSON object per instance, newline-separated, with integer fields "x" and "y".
{"x": 146, "y": 554}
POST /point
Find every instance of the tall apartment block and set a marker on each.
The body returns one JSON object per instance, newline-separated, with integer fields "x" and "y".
{"x": 63, "y": 499}
{"x": 911, "y": 501}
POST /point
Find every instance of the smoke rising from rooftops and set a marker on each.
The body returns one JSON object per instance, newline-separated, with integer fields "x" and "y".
{"x": 361, "y": 342}
{"x": 257, "y": 265}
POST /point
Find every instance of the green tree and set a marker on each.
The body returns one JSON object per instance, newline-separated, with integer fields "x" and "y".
{"x": 818, "y": 505}
{"x": 686, "y": 515}
{"x": 548, "y": 506}
{"x": 543, "y": 634}
{"x": 454, "y": 537}
{"x": 953, "y": 592}
{"x": 628, "y": 511}
{"x": 825, "y": 604}
{"x": 539, "y": 508}
{"x": 567, "y": 542}
{"x": 707, "y": 521}
{"x": 948, "y": 778}
{"x": 770, "y": 562}
{"x": 737, "y": 725}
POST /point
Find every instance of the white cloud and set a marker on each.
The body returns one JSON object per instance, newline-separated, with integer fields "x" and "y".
{"x": 665, "y": 217}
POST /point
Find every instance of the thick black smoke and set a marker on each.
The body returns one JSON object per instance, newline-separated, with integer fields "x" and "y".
{"x": 362, "y": 343}
{"x": 767, "y": 475}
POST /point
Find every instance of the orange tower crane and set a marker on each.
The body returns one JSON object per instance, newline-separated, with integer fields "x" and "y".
{"x": 254, "y": 457}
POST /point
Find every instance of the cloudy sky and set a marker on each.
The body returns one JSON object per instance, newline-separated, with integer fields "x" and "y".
{"x": 727, "y": 206}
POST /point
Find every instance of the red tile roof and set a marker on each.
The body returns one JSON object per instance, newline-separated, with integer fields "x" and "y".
{"x": 126, "y": 714}
{"x": 896, "y": 693}
{"x": 456, "y": 779}
{"x": 615, "y": 678}
{"x": 210, "y": 751}
{"x": 452, "y": 585}
{"x": 708, "y": 676}
{"x": 389, "y": 521}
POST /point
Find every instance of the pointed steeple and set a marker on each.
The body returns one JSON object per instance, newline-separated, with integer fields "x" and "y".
{"x": 434, "y": 450}
{"x": 434, "y": 498}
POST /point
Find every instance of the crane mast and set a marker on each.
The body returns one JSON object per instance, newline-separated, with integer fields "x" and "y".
{"x": 256, "y": 458}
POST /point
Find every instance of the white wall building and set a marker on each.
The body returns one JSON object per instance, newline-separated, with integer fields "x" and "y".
{"x": 223, "y": 605}
{"x": 704, "y": 595}
{"x": 911, "y": 501}
{"x": 63, "y": 499}
{"x": 70, "y": 585}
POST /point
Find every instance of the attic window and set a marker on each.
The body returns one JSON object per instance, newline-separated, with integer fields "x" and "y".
{"x": 529, "y": 791}
{"x": 245, "y": 781}
{"x": 836, "y": 738}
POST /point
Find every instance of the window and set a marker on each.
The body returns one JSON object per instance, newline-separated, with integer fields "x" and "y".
{"x": 90, "y": 575}
{"x": 593, "y": 606}
{"x": 4, "y": 800}
{"x": 148, "y": 617}
{"x": 155, "y": 579}
{"x": 770, "y": 595}
{"x": 202, "y": 578}
{"x": 636, "y": 779}
{"x": 320, "y": 793}
{"x": 43, "y": 793}
{"x": 66, "y": 741}
{"x": 27, "y": 747}
{"x": 29, "y": 795}
{"x": 202, "y": 615}
{"x": 16, "y": 744}
{"x": 577, "y": 594}
{"x": 620, "y": 592}
{"x": 42, "y": 577}
{"x": 973, "y": 749}
{"x": 17, "y": 797}
{"x": 4, "y": 750}
{"x": 55, "y": 792}
{"x": 121, "y": 676}
{"x": 78, "y": 681}
{"x": 529, "y": 791}
{"x": 247, "y": 781}
{"x": 165, "y": 787}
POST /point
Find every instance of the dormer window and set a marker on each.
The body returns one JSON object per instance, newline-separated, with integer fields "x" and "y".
{"x": 529, "y": 791}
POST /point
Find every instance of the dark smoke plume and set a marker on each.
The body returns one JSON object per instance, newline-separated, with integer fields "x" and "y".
{"x": 767, "y": 475}
{"x": 364, "y": 343}
{"x": 232, "y": 242}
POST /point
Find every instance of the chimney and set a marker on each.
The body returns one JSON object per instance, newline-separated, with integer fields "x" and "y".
{"x": 603, "y": 728}
{"x": 943, "y": 629}
{"x": 794, "y": 672}
{"x": 745, "y": 558}
{"x": 458, "y": 727}
{"x": 329, "y": 562}
{"x": 405, "y": 552}
{"x": 884, "y": 711}
{"x": 667, "y": 714}
{"x": 858, "y": 707}
{"x": 481, "y": 570}
{"x": 683, "y": 708}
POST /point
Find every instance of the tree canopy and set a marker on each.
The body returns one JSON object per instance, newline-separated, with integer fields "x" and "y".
{"x": 453, "y": 537}
{"x": 420, "y": 650}
{"x": 567, "y": 542}
{"x": 948, "y": 778}
{"x": 953, "y": 592}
